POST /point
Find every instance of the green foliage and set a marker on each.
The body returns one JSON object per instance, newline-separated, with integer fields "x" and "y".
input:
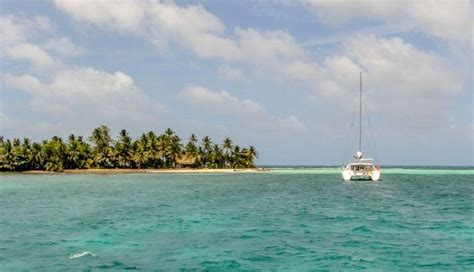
{"x": 102, "y": 151}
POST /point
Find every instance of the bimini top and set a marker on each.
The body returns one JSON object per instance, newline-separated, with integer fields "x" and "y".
{"x": 363, "y": 162}
{"x": 366, "y": 160}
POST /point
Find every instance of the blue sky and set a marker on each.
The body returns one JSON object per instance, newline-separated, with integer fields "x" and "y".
{"x": 279, "y": 75}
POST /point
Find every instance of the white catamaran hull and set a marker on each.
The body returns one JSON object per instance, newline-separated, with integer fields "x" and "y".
{"x": 348, "y": 174}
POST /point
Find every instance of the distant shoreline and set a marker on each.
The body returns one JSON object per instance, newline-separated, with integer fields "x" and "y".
{"x": 132, "y": 171}
{"x": 261, "y": 169}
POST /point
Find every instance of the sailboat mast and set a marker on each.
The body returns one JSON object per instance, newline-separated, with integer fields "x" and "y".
{"x": 360, "y": 114}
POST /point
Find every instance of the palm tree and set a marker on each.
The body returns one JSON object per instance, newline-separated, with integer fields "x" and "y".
{"x": 153, "y": 150}
{"x": 84, "y": 149}
{"x": 169, "y": 132}
{"x": 7, "y": 156}
{"x": 191, "y": 148}
{"x": 175, "y": 151}
{"x": 54, "y": 152}
{"x": 166, "y": 140}
{"x": 72, "y": 154}
{"x": 217, "y": 157}
{"x": 254, "y": 154}
{"x": 236, "y": 158}
{"x": 248, "y": 155}
{"x": 101, "y": 137}
{"x": 25, "y": 150}
{"x": 17, "y": 154}
{"x": 26, "y": 144}
{"x": 138, "y": 154}
{"x": 123, "y": 149}
{"x": 103, "y": 155}
{"x": 227, "y": 146}
{"x": 36, "y": 157}
{"x": 206, "y": 145}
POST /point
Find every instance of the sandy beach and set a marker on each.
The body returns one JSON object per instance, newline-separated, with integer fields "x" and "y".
{"x": 124, "y": 171}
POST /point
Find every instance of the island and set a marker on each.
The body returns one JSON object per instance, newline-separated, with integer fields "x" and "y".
{"x": 100, "y": 153}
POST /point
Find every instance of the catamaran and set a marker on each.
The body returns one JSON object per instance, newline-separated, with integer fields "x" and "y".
{"x": 361, "y": 168}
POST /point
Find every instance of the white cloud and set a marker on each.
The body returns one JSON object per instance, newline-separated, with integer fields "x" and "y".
{"x": 410, "y": 69}
{"x": 64, "y": 47}
{"x": 187, "y": 19}
{"x": 269, "y": 45}
{"x": 448, "y": 20}
{"x": 408, "y": 85}
{"x": 164, "y": 24}
{"x": 337, "y": 12}
{"x": 244, "y": 111}
{"x": 117, "y": 15}
{"x": 86, "y": 91}
{"x": 276, "y": 51}
{"x": 67, "y": 92}
{"x": 15, "y": 30}
{"x": 341, "y": 75}
{"x": 10, "y": 31}
{"x": 31, "y": 53}
{"x": 16, "y": 33}
{"x": 218, "y": 101}
{"x": 407, "y": 88}
{"x": 193, "y": 28}
{"x": 27, "y": 83}
{"x": 231, "y": 73}
{"x": 443, "y": 19}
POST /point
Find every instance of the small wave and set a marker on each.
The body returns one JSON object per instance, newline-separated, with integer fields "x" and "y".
{"x": 245, "y": 237}
{"x": 220, "y": 265}
{"x": 79, "y": 255}
{"x": 362, "y": 228}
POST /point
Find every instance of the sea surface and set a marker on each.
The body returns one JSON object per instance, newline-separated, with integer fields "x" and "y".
{"x": 293, "y": 219}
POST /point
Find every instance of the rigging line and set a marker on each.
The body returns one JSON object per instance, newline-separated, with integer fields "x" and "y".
{"x": 374, "y": 144}
{"x": 369, "y": 146}
{"x": 376, "y": 155}
{"x": 369, "y": 143}
{"x": 346, "y": 148}
{"x": 344, "y": 154}
{"x": 369, "y": 128}
{"x": 366, "y": 145}
{"x": 372, "y": 138}
{"x": 351, "y": 128}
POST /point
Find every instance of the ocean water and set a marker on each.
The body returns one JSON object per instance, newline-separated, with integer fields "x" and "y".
{"x": 285, "y": 219}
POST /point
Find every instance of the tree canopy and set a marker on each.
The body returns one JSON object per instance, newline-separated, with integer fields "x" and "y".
{"x": 102, "y": 151}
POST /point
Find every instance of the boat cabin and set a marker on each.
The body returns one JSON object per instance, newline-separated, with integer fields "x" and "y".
{"x": 362, "y": 165}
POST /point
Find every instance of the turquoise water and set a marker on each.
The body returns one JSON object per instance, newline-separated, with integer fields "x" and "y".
{"x": 285, "y": 219}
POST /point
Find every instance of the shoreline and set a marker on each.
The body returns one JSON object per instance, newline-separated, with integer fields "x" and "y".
{"x": 136, "y": 171}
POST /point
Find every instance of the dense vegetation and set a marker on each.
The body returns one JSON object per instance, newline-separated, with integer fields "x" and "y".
{"x": 101, "y": 151}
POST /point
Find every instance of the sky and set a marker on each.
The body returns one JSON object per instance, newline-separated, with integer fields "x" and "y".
{"x": 282, "y": 76}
